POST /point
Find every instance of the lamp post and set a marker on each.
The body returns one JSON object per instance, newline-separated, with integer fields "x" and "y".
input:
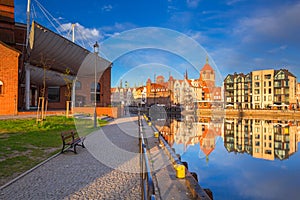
{"x": 96, "y": 50}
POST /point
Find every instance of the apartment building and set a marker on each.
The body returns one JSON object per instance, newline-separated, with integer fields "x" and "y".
{"x": 238, "y": 91}
{"x": 261, "y": 89}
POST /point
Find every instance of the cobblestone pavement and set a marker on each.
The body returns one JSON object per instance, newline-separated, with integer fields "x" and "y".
{"x": 84, "y": 176}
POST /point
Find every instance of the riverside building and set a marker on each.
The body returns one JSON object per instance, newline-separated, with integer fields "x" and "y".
{"x": 262, "y": 89}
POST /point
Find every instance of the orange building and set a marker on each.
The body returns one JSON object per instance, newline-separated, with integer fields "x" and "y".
{"x": 159, "y": 92}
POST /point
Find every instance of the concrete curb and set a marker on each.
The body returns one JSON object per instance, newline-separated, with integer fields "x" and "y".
{"x": 196, "y": 190}
{"x": 29, "y": 171}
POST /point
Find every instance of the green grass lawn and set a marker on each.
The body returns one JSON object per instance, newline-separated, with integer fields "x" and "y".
{"x": 24, "y": 144}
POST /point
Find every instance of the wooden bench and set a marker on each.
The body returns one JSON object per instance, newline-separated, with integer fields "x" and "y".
{"x": 70, "y": 140}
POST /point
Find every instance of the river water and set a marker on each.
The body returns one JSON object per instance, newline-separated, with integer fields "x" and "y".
{"x": 239, "y": 158}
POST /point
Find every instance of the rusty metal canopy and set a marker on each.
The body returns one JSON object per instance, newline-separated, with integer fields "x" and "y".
{"x": 51, "y": 51}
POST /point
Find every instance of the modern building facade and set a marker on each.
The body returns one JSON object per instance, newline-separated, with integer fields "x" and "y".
{"x": 262, "y": 89}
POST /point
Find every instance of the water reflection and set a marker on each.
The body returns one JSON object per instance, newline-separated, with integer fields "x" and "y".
{"x": 239, "y": 158}
{"x": 264, "y": 139}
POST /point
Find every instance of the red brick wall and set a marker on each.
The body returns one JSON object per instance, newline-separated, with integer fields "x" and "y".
{"x": 9, "y": 76}
{"x": 105, "y": 82}
{"x": 105, "y": 92}
{"x": 109, "y": 111}
{"x": 62, "y": 100}
{"x": 7, "y": 20}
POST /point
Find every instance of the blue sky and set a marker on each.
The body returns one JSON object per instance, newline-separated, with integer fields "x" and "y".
{"x": 238, "y": 35}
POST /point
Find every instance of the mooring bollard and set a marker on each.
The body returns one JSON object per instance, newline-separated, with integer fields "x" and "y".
{"x": 180, "y": 170}
{"x": 156, "y": 134}
{"x": 186, "y": 165}
{"x": 194, "y": 175}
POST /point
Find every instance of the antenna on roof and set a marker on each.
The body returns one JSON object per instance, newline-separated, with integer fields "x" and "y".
{"x": 73, "y": 32}
{"x": 28, "y": 21}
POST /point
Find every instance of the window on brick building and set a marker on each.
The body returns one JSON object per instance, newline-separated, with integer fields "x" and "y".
{"x": 1, "y": 87}
{"x": 54, "y": 94}
{"x": 98, "y": 89}
{"x": 78, "y": 85}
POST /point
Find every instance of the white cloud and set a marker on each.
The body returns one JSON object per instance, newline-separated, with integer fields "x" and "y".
{"x": 197, "y": 35}
{"x": 107, "y": 8}
{"x": 81, "y": 32}
{"x": 118, "y": 27}
{"x": 276, "y": 25}
{"x": 84, "y": 36}
{"x": 192, "y": 3}
{"x": 231, "y": 2}
{"x": 278, "y": 49}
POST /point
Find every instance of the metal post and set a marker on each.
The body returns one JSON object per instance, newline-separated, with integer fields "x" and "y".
{"x": 28, "y": 22}
{"x": 27, "y": 87}
{"x": 96, "y": 46}
{"x": 73, "y": 32}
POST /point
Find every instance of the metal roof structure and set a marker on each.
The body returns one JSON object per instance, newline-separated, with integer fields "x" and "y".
{"x": 51, "y": 55}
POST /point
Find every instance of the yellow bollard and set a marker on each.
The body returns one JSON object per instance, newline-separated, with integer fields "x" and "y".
{"x": 149, "y": 123}
{"x": 180, "y": 170}
{"x": 156, "y": 134}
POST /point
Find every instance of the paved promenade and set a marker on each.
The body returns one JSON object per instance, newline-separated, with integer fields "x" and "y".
{"x": 108, "y": 168}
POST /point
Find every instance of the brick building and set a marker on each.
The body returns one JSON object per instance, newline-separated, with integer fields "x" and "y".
{"x": 46, "y": 67}
{"x": 9, "y": 58}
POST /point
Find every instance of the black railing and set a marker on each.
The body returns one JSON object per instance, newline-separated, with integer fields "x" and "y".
{"x": 147, "y": 185}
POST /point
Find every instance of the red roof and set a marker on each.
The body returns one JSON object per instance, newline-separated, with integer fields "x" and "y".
{"x": 207, "y": 67}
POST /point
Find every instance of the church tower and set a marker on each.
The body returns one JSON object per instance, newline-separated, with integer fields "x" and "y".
{"x": 207, "y": 74}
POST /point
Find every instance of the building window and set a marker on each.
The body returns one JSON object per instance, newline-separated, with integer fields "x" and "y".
{"x": 53, "y": 94}
{"x": 268, "y": 76}
{"x": 269, "y": 98}
{"x": 98, "y": 89}
{"x": 256, "y": 84}
{"x": 280, "y": 75}
{"x": 78, "y": 85}
{"x": 256, "y": 77}
{"x": 286, "y": 83}
{"x": 1, "y": 88}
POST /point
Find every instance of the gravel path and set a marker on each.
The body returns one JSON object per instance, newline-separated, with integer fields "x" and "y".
{"x": 106, "y": 169}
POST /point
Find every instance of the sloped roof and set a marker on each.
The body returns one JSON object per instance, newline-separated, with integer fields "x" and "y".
{"x": 9, "y": 47}
{"x": 47, "y": 48}
{"x": 207, "y": 67}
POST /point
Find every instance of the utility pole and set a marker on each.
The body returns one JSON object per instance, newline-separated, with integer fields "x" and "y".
{"x": 73, "y": 32}
{"x": 28, "y": 21}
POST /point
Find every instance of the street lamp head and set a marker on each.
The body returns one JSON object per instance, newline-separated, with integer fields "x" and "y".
{"x": 96, "y": 47}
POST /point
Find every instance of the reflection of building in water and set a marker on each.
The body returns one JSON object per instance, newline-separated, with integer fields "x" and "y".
{"x": 191, "y": 131}
{"x": 266, "y": 139}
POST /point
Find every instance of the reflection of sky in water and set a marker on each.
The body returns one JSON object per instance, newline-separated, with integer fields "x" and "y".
{"x": 240, "y": 176}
